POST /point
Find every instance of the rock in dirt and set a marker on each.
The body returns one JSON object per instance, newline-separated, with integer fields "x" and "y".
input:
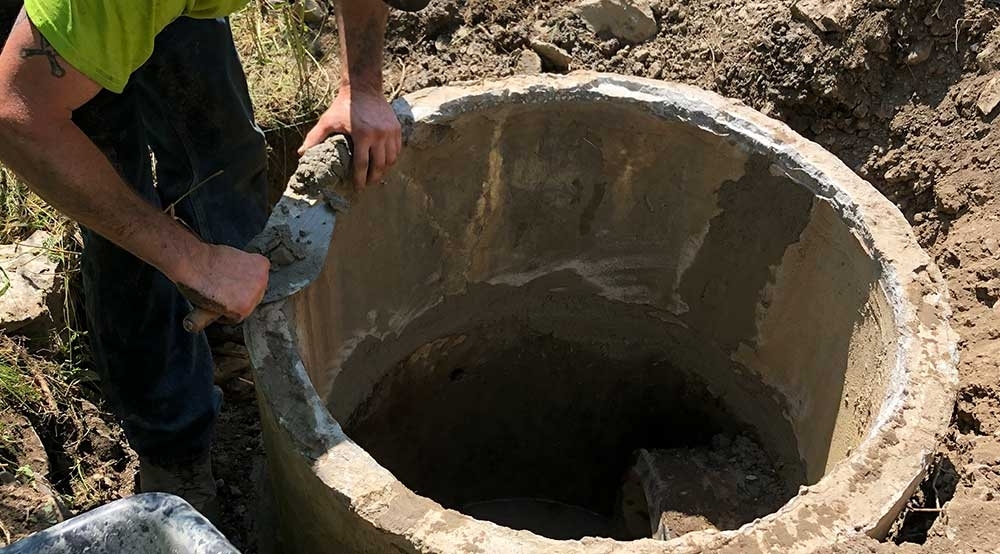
{"x": 31, "y": 452}
{"x": 965, "y": 525}
{"x": 311, "y": 12}
{"x": 988, "y": 59}
{"x": 31, "y": 303}
{"x": 670, "y": 492}
{"x": 556, "y": 57}
{"x": 919, "y": 53}
{"x": 950, "y": 196}
{"x": 823, "y": 15}
{"x": 528, "y": 63}
{"x": 989, "y": 98}
{"x": 628, "y": 20}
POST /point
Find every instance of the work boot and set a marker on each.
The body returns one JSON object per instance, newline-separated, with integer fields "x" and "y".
{"x": 192, "y": 481}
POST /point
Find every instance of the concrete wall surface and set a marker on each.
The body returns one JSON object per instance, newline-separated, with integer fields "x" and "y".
{"x": 684, "y": 253}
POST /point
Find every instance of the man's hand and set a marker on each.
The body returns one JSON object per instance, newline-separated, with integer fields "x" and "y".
{"x": 372, "y": 125}
{"x": 224, "y": 280}
{"x": 360, "y": 110}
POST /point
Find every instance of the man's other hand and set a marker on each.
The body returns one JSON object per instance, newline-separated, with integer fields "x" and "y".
{"x": 224, "y": 281}
{"x": 368, "y": 119}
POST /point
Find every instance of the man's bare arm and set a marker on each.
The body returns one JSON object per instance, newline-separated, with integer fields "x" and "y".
{"x": 360, "y": 109}
{"x": 38, "y": 140}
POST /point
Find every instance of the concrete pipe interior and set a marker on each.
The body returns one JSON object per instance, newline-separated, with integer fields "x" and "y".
{"x": 541, "y": 290}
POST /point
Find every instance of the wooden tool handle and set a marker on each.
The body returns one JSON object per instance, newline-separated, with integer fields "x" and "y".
{"x": 198, "y": 319}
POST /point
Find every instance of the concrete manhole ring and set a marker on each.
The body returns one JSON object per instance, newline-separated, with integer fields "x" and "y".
{"x": 563, "y": 270}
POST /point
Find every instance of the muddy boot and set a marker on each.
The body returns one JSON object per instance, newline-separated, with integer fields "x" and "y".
{"x": 192, "y": 481}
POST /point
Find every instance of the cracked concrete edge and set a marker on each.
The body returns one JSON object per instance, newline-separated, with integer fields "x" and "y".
{"x": 861, "y": 494}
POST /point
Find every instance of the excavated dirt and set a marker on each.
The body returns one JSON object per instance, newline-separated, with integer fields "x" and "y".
{"x": 55, "y": 464}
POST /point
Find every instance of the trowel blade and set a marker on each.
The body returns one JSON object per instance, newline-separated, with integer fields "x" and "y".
{"x": 296, "y": 240}
{"x": 297, "y": 235}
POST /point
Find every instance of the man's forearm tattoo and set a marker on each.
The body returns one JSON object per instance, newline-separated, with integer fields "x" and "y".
{"x": 45, "y": 49}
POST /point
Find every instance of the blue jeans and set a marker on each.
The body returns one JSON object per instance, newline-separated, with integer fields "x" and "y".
{"x": 189, "y": 106}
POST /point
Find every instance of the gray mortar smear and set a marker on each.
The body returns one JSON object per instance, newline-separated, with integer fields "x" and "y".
{"x": 298, "y": 233}
{"x": 323, "y": 171}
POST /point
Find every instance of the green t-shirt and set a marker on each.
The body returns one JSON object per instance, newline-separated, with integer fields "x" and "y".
{"x": 107, "y": 40}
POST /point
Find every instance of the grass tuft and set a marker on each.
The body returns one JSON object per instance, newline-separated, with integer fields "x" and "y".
{"x": 16, "y": 387}
{"x": 23, "y": 213}
{"x": 287, "y": 84}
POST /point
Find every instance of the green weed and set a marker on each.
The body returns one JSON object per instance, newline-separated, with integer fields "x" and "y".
{"x": 16, "y": 388}
{"x": 25, "y": 473}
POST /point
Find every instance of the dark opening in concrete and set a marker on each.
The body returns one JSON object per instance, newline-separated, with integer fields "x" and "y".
{"x": 530, "y": 414}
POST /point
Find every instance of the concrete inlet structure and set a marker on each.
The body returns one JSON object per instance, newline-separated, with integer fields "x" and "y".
{"x": 563, "y": 270}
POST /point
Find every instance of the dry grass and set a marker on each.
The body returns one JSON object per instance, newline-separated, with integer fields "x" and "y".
{"x": 23, "y": 213}
{"x": 287, "y": 84}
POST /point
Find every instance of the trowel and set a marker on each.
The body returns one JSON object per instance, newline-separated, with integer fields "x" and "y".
{"x": 298, "y": 233}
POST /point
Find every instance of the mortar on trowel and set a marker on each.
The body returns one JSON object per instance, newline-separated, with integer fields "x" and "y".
{"x": 297, "y": 235}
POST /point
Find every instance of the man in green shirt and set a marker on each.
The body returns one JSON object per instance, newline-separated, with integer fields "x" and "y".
{"x": 88, "y": 89}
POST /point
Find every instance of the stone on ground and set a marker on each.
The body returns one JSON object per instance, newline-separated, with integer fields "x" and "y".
{"x": 528, "y": 63}
{"x": 313, "y": 13}
{"x": 824, "y": 15}
{"x": 30, "y": 304}
{"x": 556, "y": 57}
{"x": 628, "y": 20}
{"x": 989, "y": 98}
